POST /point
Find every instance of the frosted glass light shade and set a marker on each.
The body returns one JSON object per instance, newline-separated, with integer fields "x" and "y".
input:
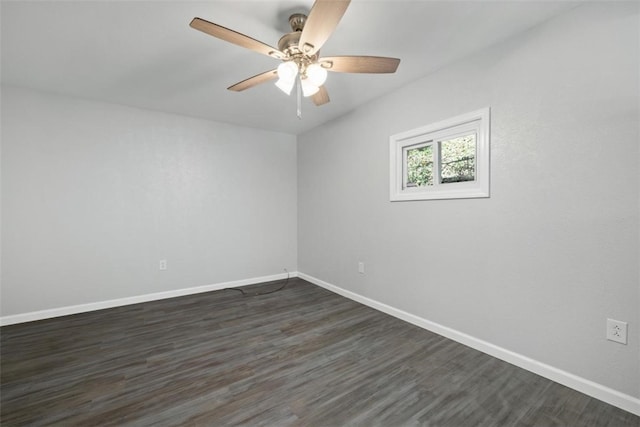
{"x": 316, "y": 74}
{"x": 286, "y": 85}
{"x": 308, "y": 88}
{"x": 288, "y": 71}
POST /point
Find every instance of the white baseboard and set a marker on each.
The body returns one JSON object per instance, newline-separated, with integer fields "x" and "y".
{"x": 82, "y": 308}
{"x": 588, "y": 387}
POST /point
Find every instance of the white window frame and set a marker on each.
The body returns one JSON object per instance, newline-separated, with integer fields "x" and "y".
{"x": 474, "y": 122}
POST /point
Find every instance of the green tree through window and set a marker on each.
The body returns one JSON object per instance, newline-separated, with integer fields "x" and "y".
{"x": 420, "y": 166}
{"x": 458, "y": 159}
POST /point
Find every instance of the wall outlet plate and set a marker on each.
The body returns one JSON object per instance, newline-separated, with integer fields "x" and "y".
{"x": 163, "y": 264}
{"x": 617, "y": 331}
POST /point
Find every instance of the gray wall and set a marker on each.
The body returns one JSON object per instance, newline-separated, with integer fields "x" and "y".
{"x": 538, "y": 267}
{"x": 94, "y": 195}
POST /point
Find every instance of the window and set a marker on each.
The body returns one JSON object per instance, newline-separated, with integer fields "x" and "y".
{"x": 445, "y": 160}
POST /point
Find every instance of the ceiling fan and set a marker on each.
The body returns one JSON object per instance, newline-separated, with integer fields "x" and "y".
{"x": 300, "y": 52}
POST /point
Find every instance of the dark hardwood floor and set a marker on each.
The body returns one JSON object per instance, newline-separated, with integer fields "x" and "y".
{"x": 301, "y": 356}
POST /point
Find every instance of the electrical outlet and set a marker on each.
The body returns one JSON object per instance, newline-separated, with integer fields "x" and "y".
{"x": 163, "y": 264}
{"x": 361, "y": 267}
{"x": 617, "y": 331}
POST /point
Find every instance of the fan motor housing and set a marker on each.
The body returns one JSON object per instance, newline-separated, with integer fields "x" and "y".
{"x": 289, "y": 43}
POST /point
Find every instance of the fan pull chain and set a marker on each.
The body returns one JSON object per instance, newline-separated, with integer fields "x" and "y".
{"x": 299, "y": 96}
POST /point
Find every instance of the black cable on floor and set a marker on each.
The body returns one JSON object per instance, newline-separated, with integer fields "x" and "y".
{"x": 247, "y": 294}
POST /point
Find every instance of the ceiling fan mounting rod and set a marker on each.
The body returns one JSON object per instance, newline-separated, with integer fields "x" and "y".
{"x": 297, "y": 21}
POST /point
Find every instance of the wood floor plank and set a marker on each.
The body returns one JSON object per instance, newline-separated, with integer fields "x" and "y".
{"x": 302, "y": 356}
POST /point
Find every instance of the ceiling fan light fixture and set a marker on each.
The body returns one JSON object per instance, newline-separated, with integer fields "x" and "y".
{"x": 308, "y": 88}
{"x": 299, "y": 50}
{"x": 316, "y": 74}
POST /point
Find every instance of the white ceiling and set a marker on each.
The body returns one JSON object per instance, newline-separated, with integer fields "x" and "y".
{"x": 144, "y": 54}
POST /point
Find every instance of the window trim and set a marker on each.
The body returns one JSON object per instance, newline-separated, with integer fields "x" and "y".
{"x": 476, "y": 122}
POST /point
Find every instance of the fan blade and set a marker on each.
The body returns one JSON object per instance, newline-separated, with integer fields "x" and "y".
{"x": 254, "y": 81}
{"x": 321, "y": 97}
{"x": 234, "y": 37}
{"x": 360, "y": 64}
{"x": 322, "y": 20}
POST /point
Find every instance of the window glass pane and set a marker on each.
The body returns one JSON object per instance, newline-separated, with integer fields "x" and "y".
{"x": 420, "y": 166}
{"x": 458, "y": 159}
